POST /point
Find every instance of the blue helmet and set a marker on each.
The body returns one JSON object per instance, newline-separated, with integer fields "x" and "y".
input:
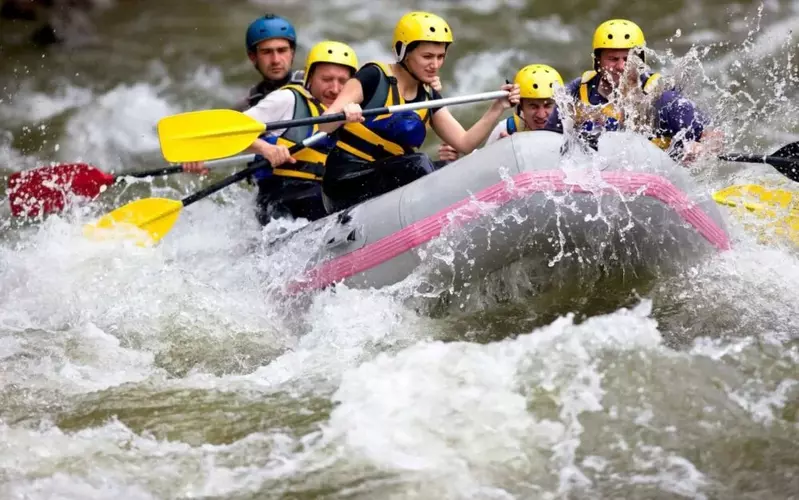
{"x": 270, "y": 26}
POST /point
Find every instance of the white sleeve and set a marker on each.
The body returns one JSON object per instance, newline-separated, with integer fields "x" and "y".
{"x": 277, "y": 106}
{"x": 502, "y": 126}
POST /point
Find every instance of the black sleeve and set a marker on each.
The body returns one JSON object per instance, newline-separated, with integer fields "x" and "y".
{"x": 369, "y": 76}
{"x": 434, "y": 95}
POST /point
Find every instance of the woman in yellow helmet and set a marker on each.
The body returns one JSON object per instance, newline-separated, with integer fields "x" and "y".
{"x": 668, "y": 114}
{"x": 376, "y": 155}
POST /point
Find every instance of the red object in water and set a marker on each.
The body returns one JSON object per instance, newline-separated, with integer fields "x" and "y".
{"x": 44, "y": 190}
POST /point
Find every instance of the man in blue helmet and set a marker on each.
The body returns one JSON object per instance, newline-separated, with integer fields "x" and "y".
{"x": 271, "y": 42}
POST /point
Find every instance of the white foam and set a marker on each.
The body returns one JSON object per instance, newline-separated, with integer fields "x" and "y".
{"x": 30, "y": 106}
{"x": 550, "y": 29}
{"x": 670, "y": 473}
{"x": 478, "y": 71}
{"x": 453, "y": 410}
{"x": 113, "y": 461}
{"x": 119, "y": 123}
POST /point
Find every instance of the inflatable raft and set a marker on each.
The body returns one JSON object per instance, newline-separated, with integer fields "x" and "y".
{"x": 536, "y": 196}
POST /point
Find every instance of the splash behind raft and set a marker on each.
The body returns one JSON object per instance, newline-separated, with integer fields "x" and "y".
{"x": 531, "y": 197}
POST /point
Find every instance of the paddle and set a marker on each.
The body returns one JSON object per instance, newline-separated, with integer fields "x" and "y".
{"x": 785, "y": 160}
{"x": 45, "y": 189}
{"x": 148, "y": 220}
{"x": 757, "y": 198}
{"x": 778, "y": 206}
{"x": 216, "y": 133}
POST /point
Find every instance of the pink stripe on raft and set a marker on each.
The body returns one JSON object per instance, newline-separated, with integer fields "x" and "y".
{"x": 521, "y": 186}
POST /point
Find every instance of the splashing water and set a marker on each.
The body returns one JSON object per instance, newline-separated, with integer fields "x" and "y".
{"x": 179, "y": 372}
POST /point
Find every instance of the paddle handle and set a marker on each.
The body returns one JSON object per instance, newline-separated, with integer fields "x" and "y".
{"x": 789, "y": 167}
{"x": 176, "y": 169}
{"x": 243, "y": 174}
{"x": 433, "y": 103}
{"x": 744, "y": 158}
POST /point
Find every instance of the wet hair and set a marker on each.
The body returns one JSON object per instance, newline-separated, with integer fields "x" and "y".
{"x": 414, "y": 45}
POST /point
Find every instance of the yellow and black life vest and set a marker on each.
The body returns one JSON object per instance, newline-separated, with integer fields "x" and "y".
{"x": 311, "y": 160}
{"x": 374, "y": 139}
{"x": 587, "y": 110}
{"x": 514, "y": 123}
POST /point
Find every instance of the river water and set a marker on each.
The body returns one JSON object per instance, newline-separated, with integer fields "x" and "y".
{"x": 173, "y": 372}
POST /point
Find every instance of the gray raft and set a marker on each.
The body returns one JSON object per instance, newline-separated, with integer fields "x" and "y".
{"x": 535, "y": 196}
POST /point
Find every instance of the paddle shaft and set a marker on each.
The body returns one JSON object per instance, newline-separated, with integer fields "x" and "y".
{"x": 434, "y": 103}
{"x": 243, "y": 174}
{"x": 176, "y": 169}
{"x": 789, "y": 167}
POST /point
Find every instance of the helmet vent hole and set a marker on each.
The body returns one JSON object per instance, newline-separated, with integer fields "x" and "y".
{"x": 329, "y": 51}
{"x": 535, "y": 85}
{"x": 610, "y": 37}
{"x": 432, "y": 29}
{"x": 627, "y": 36}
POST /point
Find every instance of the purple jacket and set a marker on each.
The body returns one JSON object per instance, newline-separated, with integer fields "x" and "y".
{"x": 675, "y": 113}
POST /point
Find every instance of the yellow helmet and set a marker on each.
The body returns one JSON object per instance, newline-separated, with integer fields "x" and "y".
{"x": 331, "y": 52}
{"x": 419, "y": 27}
{"x": 618, "y": 34}
{"x": 537, "y": 81}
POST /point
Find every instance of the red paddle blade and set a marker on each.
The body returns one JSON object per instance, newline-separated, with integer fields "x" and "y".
{"x": 45, "y": 189}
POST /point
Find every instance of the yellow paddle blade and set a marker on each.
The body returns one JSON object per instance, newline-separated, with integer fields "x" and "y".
{"x": 756, "y": 198}
{"x": 779, "y": 208}
{"x": 143, "y": 221}
{"x": 206, "y": 135}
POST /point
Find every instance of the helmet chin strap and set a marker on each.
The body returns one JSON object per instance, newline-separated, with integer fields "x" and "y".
{"x": 406, "y": 68}
{"x": 401, "y": 61}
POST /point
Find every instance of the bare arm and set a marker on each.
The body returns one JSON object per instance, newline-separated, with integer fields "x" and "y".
{"x": 351, "y": 93}
{"x": 465, "y": 141}
{"x": 276, "y": 155}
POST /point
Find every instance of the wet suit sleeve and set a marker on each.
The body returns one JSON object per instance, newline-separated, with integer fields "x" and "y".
{"x": 369, "y": 76}
{"x": 435, "y": 95}
{"x": 678, "y": 117}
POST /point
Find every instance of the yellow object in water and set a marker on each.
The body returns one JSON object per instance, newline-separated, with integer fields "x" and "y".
{"x": 143, "y": 221}
{"x": 777, "y": 208}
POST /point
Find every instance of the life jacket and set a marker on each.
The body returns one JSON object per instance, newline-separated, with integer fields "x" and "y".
{"x": 514, "y": 123}
{"x": 388, "y": 135}
{"x": 265, "y": 87}
{"x": 310, "y": 163}
{"x": 605, "y": 115}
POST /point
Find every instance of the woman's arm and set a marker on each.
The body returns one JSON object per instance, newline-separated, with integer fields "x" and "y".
{"x": 465, "y": 141}
{"x": 352, "y": 93}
